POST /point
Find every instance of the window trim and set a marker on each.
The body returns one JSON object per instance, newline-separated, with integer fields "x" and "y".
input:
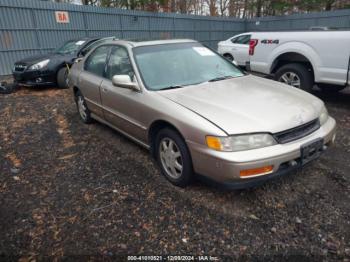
{"x": 236, "y": 37}
{"x": 109, "y": 56}
{"x": 107, "y": 59}
{"x": 98, "y": 42}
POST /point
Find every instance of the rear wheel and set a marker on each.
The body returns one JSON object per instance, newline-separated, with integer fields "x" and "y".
{"x": 296, "y": 75}
{"x": 84, "y": 112}
{"x": 228, "y": 57}
{"x": 174, "y": 157}
{"x": 330, "y": 88}
{"x": 62, "y": 78}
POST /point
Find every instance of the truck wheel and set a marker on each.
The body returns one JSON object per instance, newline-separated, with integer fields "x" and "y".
{"x": 296, "y": 75}
{"x": 228, "y": 57}
{"x": 62, "y": 78}
{"x": 330, "y": 88}
{"x": 173, "y": 157}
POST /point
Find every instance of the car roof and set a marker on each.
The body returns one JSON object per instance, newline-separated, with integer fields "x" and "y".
{"x": 135, "y": 43}
{"x": 162, "y": 42}
{"x": 87, "y": 39}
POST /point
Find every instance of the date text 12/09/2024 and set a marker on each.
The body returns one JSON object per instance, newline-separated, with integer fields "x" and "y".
{"x": 173, "y": 258}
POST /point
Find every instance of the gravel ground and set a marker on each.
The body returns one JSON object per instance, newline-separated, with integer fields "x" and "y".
{"x": 69, "y": 189}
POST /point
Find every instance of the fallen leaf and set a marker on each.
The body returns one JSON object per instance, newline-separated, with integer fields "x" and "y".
{"x": 252, "y": 216}
{"x": 67, "y": 156}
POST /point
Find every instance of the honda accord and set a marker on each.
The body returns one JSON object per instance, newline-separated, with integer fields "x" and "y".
{"x": 198, "y": 113}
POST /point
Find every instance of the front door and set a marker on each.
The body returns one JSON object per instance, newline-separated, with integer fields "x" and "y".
{"x": 122, "y": 106}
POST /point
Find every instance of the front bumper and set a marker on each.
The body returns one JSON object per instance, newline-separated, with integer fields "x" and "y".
{"x": 225, "y": 167}
{"x": 35, "y": 78}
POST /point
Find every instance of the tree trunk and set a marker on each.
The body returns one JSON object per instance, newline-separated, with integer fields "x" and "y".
{"x": 173, "y": 6}
{"x": 329, "y": 5}
{"x": 212, "y": 8}
{"x": 258, "y": 8}
{"x": 245, "y": 8}
{"x": 183, "y": 6}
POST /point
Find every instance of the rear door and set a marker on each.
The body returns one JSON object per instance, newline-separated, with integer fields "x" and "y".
{"x": 91, "y": 78}
{"x": 240, "y": 49}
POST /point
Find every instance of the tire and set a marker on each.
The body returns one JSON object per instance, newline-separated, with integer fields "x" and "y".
{"x": 297, "y": 75}
{"x": 62, "y": 76}
{"x": 83, "y": 110}
{"x": 228, "y": 57}
{"x": 330, "y": 88}
{"x": 7, "y": 88}
{"x": 179, "y": 154}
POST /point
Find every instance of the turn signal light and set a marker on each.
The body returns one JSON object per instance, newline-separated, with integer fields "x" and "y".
{"x": 248, "y": 173}
{"x": 213, "y": 142}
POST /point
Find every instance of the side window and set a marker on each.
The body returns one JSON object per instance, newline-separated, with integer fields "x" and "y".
{"x": 233, "y": 40}
{"x": 119, "y": 63}
{"x": 243, "y": 40}
{"x": 96, "y": 62}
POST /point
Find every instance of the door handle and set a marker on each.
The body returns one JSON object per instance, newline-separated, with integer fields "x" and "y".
{"x": 104, "y": 89}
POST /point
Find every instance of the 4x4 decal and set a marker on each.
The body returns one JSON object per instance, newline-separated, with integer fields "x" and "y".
{"x": 270, "y": 41}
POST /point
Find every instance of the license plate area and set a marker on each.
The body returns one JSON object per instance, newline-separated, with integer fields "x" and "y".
{"x": 311, "y": 151}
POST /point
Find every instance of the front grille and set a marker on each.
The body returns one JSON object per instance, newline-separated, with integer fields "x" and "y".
{"x": 19, "y": 67}
{"x": 297, "y": 132}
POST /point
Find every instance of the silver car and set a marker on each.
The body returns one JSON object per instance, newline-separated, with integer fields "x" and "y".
{"x": 198, "y": 113}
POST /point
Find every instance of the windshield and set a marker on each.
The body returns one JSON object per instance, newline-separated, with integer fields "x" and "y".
{"x": 177, "y": 65}
{"x": 70, "y": 47}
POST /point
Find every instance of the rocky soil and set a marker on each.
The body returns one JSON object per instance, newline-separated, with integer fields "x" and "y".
{"x": 69, "y": 189}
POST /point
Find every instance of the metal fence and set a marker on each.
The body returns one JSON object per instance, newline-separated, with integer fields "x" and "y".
{"x": 339, "y": 19}
{"x": 29, "y": 27}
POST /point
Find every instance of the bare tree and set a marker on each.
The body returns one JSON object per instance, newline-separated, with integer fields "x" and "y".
{"x": 212, "y": 7}
{"x": 223, "y": 4}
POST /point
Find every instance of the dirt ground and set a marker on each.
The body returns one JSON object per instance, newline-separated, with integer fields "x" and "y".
{"x": 69, "y": 189}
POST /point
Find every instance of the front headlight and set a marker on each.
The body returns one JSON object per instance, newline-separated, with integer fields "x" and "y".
{"x": 39, "y": 65}
{"x": 323, "y": 116}
{"x": 240, "y": 142}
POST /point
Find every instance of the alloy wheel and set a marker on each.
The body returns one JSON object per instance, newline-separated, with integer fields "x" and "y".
{"x": 171, "y": 158}
{"x": 82, "y": 108}
{"x": 291, "y": 79}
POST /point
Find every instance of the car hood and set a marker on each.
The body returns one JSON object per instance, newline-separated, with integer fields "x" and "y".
{"x": 38, "y": 58}
{"x": 248, "y": 104}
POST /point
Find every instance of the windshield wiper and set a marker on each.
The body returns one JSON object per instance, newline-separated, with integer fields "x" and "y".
{"x": 170, "y": 87}
{"x": 219, "y": 78}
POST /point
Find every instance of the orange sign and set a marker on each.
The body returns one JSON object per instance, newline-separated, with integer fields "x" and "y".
{"x": 62, "y": 17}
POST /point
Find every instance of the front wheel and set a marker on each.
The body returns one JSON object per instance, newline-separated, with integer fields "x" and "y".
{"x": 174, "y": 157}
{"x": 62, "y": 78}
{"x": 296, "y": 75}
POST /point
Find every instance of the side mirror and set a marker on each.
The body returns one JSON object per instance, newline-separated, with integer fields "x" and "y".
{"x": 83, "y": 53}
{"x": 234, "y": 62}
{"x": 124, "y": 81}
{"x": 78, "y": 60}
